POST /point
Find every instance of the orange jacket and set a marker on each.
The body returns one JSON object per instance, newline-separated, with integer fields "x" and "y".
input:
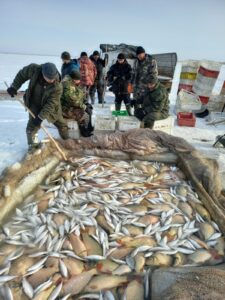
{"x": 88, "y": 71}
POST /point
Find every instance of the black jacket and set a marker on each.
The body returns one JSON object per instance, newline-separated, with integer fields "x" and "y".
{"x": 119, "y": 75}
{"x": 99, "y": 64}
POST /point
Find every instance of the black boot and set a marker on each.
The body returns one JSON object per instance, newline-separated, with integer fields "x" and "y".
{"x": 117, "y": 106}
{"x": 85, "y": 131}
{"x": 128, "y": 108}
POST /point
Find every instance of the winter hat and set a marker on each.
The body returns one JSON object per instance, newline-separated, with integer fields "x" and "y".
{"x": 140, "y": 50}
{"x": 65, "y": 55}
{"x": 151, "y": 79}
{"x": 95, "y": 53}
{"x": 75, "y": 75}
{"x": 121, "y": 56}
{"x": 83, "y": 54}
{"x": 49, "y": 70}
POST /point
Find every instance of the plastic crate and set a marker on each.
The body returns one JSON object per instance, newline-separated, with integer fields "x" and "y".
{"x": 119, "y": 113}
{"x": 186, "y": 119}
{"x": 126, "y": 123}
{"x": 188, "y": 101}
{"x": 73, "y": 129}
{"x": 104, "y": 123}
{"x": 165, "y": 125}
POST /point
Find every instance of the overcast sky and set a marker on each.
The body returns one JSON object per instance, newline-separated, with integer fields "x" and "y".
{"x": 192, "y": 28}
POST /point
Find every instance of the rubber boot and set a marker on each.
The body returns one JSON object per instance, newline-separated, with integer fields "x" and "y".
{"x": 32, "y": 141}
{"x": 149, "y": 124}
{"x": 84, "y": 131}
{"x": 117, "y": 106}
{"x": 128, "y": 108}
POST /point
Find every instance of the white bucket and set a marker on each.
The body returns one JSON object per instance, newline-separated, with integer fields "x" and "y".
{"x": 188, "y": 74}
{"x": 206, "y": 78}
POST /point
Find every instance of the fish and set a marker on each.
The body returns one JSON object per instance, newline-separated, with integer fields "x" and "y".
{"x": 78, "y": 283}
{"x": 28, "y": 289}
{"x": 103, "y": 282}
{"x": 134, "y": 291}
{"x": 78, "y": 245}
{"x": 159, "y": 259}
{"x": 206, "y": 230}
{"x": 200, "y": 256}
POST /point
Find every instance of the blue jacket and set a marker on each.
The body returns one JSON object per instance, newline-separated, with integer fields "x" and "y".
{"x": 66, "y": 69}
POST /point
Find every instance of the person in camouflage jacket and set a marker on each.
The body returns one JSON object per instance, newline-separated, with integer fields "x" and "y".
{"x": 145, "y": 67}
{"x": 42, "y": 97}
{"x": 74, "y": 105}
{"x": 155, "y": 105}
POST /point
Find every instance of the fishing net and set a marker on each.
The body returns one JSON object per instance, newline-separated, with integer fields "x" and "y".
{"x": 189, "y": 284}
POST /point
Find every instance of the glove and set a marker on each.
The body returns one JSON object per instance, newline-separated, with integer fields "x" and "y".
{"x": 11, "y": 91}
{"x": 37, "y": 121}
{"x": 140, "y": 113}
{"x": 132, "y": 102}
{"x": 89, "y": 108}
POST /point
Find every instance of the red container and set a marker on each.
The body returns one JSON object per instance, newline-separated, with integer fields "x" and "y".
{"x": 186, "y": 119}
{"x": 204, "y": 99}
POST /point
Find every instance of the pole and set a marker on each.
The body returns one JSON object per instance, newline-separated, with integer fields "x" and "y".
{"x": 43, "y": 127}
{"x": 104, "y": 84}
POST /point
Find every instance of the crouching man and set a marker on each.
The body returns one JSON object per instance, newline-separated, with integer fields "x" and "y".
{"x": 74, "y": 105}
{"x": 42, "y": 97}
{"x": 154, "y": 105}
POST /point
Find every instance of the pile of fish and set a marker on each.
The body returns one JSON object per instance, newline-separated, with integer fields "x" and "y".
{"x": 96, "y": 228}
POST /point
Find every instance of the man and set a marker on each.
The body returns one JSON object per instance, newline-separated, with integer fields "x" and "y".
{"x": 144, "y": 67}
{"x": 42, "y": 97}
{"x": 99, "y": 84}
{"x": 119, "y": 76}
{"x": 155, "y": 105}
{"x": 69, "y": 64}
{"x": 88, "y": 72}
{"x": 74, "y": 105}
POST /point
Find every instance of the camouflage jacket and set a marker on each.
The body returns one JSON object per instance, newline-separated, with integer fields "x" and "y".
{"x": 49, "y": 107}
{"x": 144, "y": 70}
{"x": 73, "y": 95}
{"x": 156, "y": 100}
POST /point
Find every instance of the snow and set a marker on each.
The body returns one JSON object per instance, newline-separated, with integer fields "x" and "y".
{"x": 13, "y": 117}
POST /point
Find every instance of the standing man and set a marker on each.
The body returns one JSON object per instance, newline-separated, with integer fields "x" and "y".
{"x": 42, "y": 97}
{"x": 88, "y": 73}
{"x": 69, "y": 64}
{"x": 119, "y": 76}
{"x": 155, "y": 104}
{"x": 99, "y": 83}
{"x": 145, "y": 67}
{"x": 74, "y": 105}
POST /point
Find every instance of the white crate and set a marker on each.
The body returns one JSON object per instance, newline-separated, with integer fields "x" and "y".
{"x": 125, "y": 123}
{"x": 165, "y": 125}
{"x": 188, "y": 101}
{"x": 104, "y": 123}
{"x": 74, "y": 134}
{"x": 73, "y": 129}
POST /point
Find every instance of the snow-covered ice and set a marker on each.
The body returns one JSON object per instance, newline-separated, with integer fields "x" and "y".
{"x": 13, "y": 117}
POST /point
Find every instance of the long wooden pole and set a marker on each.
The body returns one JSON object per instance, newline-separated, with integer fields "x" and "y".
{"x": 43, "y": 127}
